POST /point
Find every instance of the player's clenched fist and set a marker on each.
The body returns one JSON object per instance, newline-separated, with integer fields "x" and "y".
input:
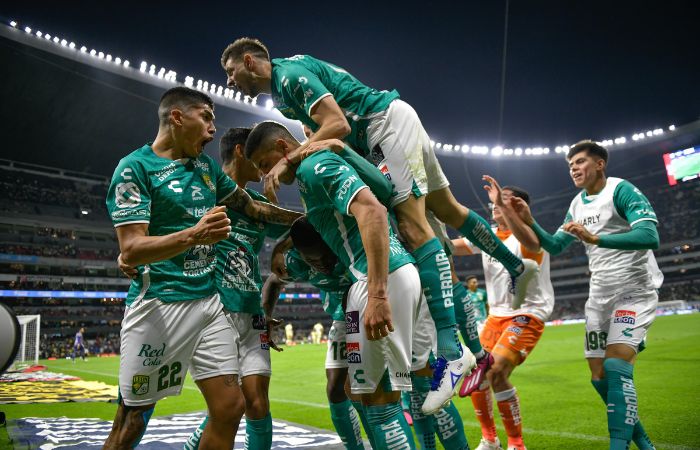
{"x": 213, "y": 227}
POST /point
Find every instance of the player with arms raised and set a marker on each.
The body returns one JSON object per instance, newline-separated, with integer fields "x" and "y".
{"x": 617, "y": 226}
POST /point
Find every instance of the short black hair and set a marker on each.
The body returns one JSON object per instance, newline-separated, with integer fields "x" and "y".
{"x": 244, "y": 45}
{"x": 263, "y": 134}
{"x": 470, "y": 277}
{"x": 306, "y": 238}
{"x": 591, "y": 147}
{"x": 518, "y": 192}
{"x": 227, "y": 143}
{"x": 181, "y": 97}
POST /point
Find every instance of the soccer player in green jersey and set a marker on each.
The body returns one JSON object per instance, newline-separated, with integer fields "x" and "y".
{"x": 239, "y": 283}
{"x": 617, "y": 225}
{"x": 334, "y": 104}
{"x": 386, "y": 287}
{"x": 478, "y": 298}
{"x": 162, "y": 201}
{"x": 311, "y": 260}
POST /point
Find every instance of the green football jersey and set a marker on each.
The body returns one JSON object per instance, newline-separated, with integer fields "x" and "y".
{"x": 479, "y": 300}
{"x": 299, "y": 82}
{"x": 328, "y": 185}
{"x": 238, "y": 278}
{"x": 332, "y": 286}
{"x": 169, "y": 196}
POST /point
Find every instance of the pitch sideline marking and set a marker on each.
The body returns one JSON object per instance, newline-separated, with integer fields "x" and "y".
{"x": 564, "y": 434}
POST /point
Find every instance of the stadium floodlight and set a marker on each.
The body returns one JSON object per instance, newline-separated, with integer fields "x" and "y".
{"x": 658, "y": 131}
{"x": 83, "y": 49}
{"x": 518, "y": 151}
{"x": 47, "y": 36}
{"x": 620, "y": 140}
{"x": 84, "y": 212}
{"x": 545, "y": 150}
{"x": 117, "y": 60}
{"x": 268, "y": 104}
{"x": 13, "y": 24}
{"x": 108, "y": 57}
{"x": 438, "y": 145}
{"x": 671, "y": 127}
{"x": 246, "y": 99}
{"x": 39, "y": 34}
{"x": 126, "y": 63}
{"x": 508, "y": 151}
{"x": 27, "y": 29}
{"x": 143, "y": 66}
{"x": 497, "y": 151}
{"x": 64, "y": 42}
{"x": 101, "y": 55}
{"x": 465, "y": 148}
{"x": 71, "y": 45}
{"x": 93, "y": 52}
{"x": 254, "y": 102}
{"x": 432, "y": 143}
{"x": 56, "y": 40}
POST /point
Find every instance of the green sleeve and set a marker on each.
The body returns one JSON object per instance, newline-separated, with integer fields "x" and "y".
{"x": 378, "y": 183}
{"x": 224, "y": 185}
{"x": 642, "y": 236}
{"x": 552, "y": 244}
{"x": 631, "y": 204}
{"x": 129, "y": 198}
{"x": 302, "y": 87}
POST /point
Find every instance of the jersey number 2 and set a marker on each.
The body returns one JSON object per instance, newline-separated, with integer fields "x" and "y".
{"x": 173, "y": 369}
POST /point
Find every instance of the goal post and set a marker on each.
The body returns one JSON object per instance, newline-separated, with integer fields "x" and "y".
{"x": 28, "y": 353}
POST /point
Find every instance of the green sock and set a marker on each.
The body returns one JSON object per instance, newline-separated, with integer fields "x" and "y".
{"x": 390, "y": 427}
{"x": 192, "y": 442}
{"x": 622, "y": 402}
{"x": 258, "y": 433}
{"x": 479, "y": 233}
{"x": 365, "y": 423}
{"x": 146, "y": 415}
{"x": 405, "y": 401}
{"x": 423, "y": 425}
{"x": 436, "y": 281}
{"x": 466, "y": 319}
{"x": 347, "y": 424}
{"x": 450, "y": 429}
{"x": 639, "y": 435}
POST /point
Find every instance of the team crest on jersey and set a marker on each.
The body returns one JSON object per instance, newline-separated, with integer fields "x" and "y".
{"x": 139, "y": 384}
{"x": 521, "y": 320}
{"x": 208, "y": 182}
{"x": 258, "y": 322}
{"x": 352, "y": 322}
{"x": 353, "y": 350}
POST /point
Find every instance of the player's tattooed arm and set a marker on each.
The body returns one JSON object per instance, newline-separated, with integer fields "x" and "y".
{"x": 277, "y": 260}
{"x": 240, "y": 201}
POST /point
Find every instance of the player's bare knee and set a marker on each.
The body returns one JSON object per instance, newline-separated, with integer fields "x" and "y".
{"x": 228, "y": 409}
{"x": 335, "y": 391}
{"x": 257, "y": 408}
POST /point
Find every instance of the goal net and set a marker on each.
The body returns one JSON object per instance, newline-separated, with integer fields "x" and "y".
{"x": 28, "y": 353}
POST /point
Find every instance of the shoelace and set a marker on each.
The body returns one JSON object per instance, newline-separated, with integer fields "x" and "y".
{"x": 438, "y": 366}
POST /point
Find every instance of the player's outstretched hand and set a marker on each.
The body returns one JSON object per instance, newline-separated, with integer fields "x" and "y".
{"x": 378, "y": 318}
{"x": 128, "y": 271}
{"x": 213, "y": 227}
{"x": 308, "y": 149}
{"x": 494, "y": 190}
{"x": 581, "y": 233}
{"x": 521, "y": 208}
{"x": 272, "y": 323}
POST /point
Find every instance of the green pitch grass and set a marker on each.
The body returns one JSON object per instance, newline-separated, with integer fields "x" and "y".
{"x": 560, "y": 409}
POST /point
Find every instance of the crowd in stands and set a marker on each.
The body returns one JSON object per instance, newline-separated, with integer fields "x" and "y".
{"x": 62, "y": 347}
{"x": 28, "y": 193}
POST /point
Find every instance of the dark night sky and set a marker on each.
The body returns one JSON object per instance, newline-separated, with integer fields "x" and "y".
{"x": 598, "y": 69}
